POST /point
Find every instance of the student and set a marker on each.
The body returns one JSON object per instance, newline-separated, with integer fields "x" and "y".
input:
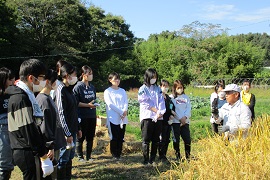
{"x": 116, "y": 108}
{"x": 180, "y": 125}
{"x": 248, "y": 98}
{"x": 59, "y": 64}
{"x": 152, "y": 108}
{"x": 214, "y": 95}
{"x": 24, "y": 118}
{"x": 216, "y": 105}
{"x": 85, "y": 94}
{"x": 51, "y": 127}
{"x": 67, "y": 107}
{"x": 166, "y": 123}
{"x": 7, "y": 78}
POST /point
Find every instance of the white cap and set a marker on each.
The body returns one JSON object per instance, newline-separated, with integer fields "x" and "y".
{"x": 232, "y": 87}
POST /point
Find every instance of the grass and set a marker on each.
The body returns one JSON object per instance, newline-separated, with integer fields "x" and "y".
{"x": 214, "y": 160}
{"x": 241, "y": 159}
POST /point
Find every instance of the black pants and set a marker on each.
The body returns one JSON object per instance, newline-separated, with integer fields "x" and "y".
{"x": 25, "y": 160}
{"x": 150, "y": 133}
{"x": 117, "y": 138}
{"x": 184, "y": 132}
{"x": 88, "y": 128}
{"x": 164, "y": 139}
{"x": 215, "y": 127}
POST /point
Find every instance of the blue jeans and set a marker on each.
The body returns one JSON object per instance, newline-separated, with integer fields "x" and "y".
{"x": 5, "y": 150}
{"x": 66, "y": 155}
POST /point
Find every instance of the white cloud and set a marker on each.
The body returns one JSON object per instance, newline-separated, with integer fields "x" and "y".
{"x": 230, "y": 12}
{"x": 217, "y": 12}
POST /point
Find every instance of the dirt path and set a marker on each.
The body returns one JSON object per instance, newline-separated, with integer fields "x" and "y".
{"x": 128, "y": 167}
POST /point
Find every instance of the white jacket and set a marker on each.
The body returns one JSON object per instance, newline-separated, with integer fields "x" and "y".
{"x": 236, "y": 116}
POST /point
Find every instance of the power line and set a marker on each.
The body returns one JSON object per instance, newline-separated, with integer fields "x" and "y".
{"x": 67, "y": 54}
{"x": 249, "y": 24}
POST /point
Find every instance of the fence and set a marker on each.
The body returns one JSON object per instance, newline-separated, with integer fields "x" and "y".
{"x": 255, "y": 82}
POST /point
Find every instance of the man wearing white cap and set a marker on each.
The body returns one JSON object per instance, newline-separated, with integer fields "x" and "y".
{"x": 235, "y": 114}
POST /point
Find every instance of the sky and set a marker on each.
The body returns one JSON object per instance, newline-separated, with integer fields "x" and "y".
{"x": 147, "y": 17}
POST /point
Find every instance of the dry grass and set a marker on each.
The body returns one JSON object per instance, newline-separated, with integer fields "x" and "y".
{"x": 104, "y": 167}
{"x": 242, "y": 159}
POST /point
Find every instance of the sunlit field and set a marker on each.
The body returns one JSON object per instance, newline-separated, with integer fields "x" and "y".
{"x": 212, "y": 157}
{"x": 218, "y": 159}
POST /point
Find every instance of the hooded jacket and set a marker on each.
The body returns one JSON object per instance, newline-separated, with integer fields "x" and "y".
{"x": 24, "y": 132}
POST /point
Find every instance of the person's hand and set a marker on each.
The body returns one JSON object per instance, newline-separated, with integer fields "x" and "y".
{"x": 79, "y": 134}
{"x": 125, "y": 113}
{"x": 173, "y": 113}
{"x": 50, "y": 154}
{"x": 69, "y": 139}
{"x": 91, "y": 105}
{"x": 183, "y": 120}
{"x": 46, "y": 166}
{"x": 171, "y": 117}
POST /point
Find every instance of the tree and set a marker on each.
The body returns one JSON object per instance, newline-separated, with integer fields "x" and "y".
{"x": 200, "y": 31}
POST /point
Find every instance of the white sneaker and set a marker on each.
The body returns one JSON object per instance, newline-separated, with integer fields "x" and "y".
{"x": 90, "y": 160}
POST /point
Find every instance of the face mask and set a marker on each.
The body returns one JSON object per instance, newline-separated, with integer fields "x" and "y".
{"x": 164, "y": 90}
{"x": 152, "y": 81}
{"x": 90, "y": 77}
{"x": 38, "y": 88}
{"x": 222, "y": 94}
{"x": 72, "y": 81}
{"x": 179, "y": 91}
{"x": 246, "y": 88}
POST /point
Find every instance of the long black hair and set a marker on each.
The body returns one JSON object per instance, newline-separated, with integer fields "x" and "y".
{"x": 85, "y": 69}
{"x": 5, "y": 74}
{"x": 148, "y": 75}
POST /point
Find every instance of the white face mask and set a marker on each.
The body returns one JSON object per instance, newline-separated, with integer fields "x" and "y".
{"x": 164, "y": 90}
{"x": 73, "y": 80}
{"x": 90, "y": 77}
{"x": 179, "y": 91}
{"x": 222, "y": 94}
{"x": 38, "y": 88}
{"x": 152, "y": 81}
{"x": 246, "y": 88}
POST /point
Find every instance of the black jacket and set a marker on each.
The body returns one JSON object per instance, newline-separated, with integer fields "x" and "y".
{"x": 24, "y": 133}
{"x": 67, "y": 106}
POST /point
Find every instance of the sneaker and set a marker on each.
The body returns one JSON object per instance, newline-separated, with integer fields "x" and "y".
{"x": 153, "y": 163}
{"x": 90, "y": 160}
{"x": 82, "y": 160}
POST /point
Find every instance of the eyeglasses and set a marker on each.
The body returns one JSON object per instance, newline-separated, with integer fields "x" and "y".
{"x": 229, "y": 92}
{"x": 42, "y": 76}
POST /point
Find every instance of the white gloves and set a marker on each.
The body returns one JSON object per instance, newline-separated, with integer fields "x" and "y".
{"x": 170, "y": 122}
{"x": 46, "y": 166}
{"x": 121, "y": 124}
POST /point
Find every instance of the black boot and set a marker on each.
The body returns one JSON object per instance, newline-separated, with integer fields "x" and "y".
{"x": 187, "y": 151}
{"x": 5, "y": 175}
{"x": 69, "y": 170}
{"x": 153, "y": 153}
{"x": 79, "y": 151}
{"x": 163, "y": 151}
{"x": 113, "y": 148}
{"x": 119, "y": 148}
{"x": 61, "y": 172}
{"x": 177, "y": 150}
{"x": 89, "y": 147}
{"x": 145, "y": 149}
